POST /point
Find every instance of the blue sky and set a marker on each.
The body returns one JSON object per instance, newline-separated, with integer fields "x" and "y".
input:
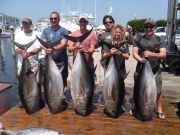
{"x": 122, "y": 10}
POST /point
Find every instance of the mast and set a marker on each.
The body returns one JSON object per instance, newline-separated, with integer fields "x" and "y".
{"x": 171, "y": 25}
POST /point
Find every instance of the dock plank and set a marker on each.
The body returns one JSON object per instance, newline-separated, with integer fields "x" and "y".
{"x": 97, "y": 122}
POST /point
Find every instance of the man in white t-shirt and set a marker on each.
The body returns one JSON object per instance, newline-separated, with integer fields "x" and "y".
{"x": 23, "y": 37}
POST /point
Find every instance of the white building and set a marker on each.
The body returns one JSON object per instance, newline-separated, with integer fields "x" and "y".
{"x": 6, "y": 21}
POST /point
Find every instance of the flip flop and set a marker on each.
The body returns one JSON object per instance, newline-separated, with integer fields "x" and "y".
{"x": 161, "y": 115}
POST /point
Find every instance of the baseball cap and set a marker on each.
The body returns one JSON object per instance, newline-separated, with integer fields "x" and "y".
{"x": 26, "y": 19}
{"x": 83, "y": 17}
{"x": 150, "y": 21}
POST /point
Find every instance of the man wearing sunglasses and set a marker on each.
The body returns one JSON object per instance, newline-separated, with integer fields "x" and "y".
{"x": 150, "y": 46}
{"x": 52, "y": 34}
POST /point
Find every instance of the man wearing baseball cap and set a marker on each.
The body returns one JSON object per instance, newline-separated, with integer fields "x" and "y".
{"x": 26, "y": 19}
{"x": 149, "y": 46}
{"x": 150, "y": 22}
{"x": 88, "y": 45}
{"x": 83, "y": 17}
{"x": 24, "y": 37}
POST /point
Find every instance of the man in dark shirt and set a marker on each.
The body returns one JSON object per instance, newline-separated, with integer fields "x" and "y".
{"x": 149, "y": 46}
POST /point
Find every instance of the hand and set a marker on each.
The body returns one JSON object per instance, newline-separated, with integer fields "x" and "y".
{"x": 142, "y": 60}
{"x": 114, "y": 51}
{"x": 148, "y": 54}
{"x": 25, "y": 54}
{"x": 48, "y": 50}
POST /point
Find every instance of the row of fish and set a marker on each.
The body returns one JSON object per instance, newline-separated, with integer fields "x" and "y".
{"x": 82, "y": 86}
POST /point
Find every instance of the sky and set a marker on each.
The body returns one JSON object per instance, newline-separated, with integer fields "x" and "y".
{"x": 122, "y": 10}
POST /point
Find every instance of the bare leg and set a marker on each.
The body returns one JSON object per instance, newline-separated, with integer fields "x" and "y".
{"x": 159, "y": 106}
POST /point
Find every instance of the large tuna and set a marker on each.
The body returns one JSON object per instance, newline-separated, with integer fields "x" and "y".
{"x": 82, "y": 85}
{"x": 82, "y": 80}
{"x": 30, "y": 131}
{"x": 113, "y": 88}
{"x": 53, "y": 82}
{"x": 145, "y": 92}
{"x": 30, "y": 93}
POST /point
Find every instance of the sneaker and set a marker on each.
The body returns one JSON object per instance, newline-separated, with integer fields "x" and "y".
{"x": 122, "y": 109}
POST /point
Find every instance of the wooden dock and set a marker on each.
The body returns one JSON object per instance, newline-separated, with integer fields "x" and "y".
{"x": 97, "y": 123}
{"x": 69, "y": 123}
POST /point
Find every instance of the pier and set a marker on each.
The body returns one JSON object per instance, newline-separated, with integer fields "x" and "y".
{"x": 96, "y": 123}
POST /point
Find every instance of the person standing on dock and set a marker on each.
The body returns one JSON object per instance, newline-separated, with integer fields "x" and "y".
{"x": 87, "y": 45}
{"x": 52, "y": 34}
{"x": 114, "y": 34}
{"x": 23, "y": 37}
{"x": 150, "y": 46}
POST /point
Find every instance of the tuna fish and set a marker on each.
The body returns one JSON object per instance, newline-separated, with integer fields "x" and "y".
{"x": 145, "y": 92}
{"x": 30, "y": 93}
{"x": 82, "y": 85}
{"x": 82, "y": 80}
{"x": 53, "y": 82}
{"x": 113, "y": 88}
{"x": 31, "y": 131}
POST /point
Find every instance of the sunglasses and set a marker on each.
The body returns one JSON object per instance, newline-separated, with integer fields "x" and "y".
{"x": 108, "y": 22}
{"x": 149, "y": 26}
{"x": 53, "y": 18}
{"x": 25, "y": 23}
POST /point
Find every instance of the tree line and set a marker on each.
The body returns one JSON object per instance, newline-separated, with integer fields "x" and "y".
{"x": 138, "y": 24}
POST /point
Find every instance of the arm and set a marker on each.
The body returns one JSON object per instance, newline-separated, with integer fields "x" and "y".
{"x": 124, "y": 55}
{"x": 136, "y": 56}
{"x": 72, "y": 46}
{"x": 106, "y": 54}
{"x": 58, "y": 47}
{"x": 160, "y": 55}
{"x": 26, "y": 54}
{"x": 91, "y": 49}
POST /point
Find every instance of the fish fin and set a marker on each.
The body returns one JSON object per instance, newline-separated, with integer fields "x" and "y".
{"x": 18, "y": 45}
{"x": 29, "y": 44}
{"x": 95, "y": 68}
{"x": 80, "y": 38}
{"x": 110, "y": 45}
{"x": 45, "y": 44}
{"x": 55, "y": 43}
{"x": 70, "y": 66}
{"x": 25, "y": 46}
{"x": 125, "y": 76}
{"x": 61, "y": 69}
{"x": 71, "y": 38}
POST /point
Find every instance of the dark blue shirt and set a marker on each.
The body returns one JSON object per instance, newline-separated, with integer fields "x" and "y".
{"x": 51, "y": 36}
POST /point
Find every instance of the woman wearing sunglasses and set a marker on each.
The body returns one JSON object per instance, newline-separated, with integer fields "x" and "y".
{"x": 150, "y": 47}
